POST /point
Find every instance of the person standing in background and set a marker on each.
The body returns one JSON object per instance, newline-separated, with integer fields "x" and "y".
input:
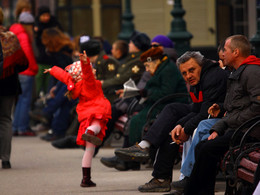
{"x": 43, "y": 20}
{"x": 24, "y": 32}
{"x": 120, "y": 50}
{"x": 22, "y": 6}
{"x": 12, "y": 61}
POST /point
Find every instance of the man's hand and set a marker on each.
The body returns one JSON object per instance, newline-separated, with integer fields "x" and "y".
{"x": 214, "y": 110}
{"x": 178, "y": 135}
{"x": 213, "y": 135}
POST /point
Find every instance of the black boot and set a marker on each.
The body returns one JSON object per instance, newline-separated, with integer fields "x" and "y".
{"x": 6, "y": 165}
{"x": 86, "y": 181}
{"x": 117, "y": 163}
{"x": 66, "y": 142}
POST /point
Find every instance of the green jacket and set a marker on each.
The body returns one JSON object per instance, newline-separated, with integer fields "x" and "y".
{"x": 166, "y": 81}
{"x": 106, "y": 66}
{"x": 133, "y": 68}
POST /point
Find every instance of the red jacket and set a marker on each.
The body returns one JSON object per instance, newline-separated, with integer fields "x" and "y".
{"x": 26, "y": 45}
{"x": 92, "y": 101}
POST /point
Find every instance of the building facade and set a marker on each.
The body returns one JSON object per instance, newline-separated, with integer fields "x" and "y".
{"x": 209, "y": 21}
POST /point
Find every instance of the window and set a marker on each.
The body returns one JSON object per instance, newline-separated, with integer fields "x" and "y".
{"x": 75, "y": 16}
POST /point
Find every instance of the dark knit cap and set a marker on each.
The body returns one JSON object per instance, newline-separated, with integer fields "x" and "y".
{"x": 92, "y": 47}
{"x": 141, "y": 41}
{"x": 43, "y": 10}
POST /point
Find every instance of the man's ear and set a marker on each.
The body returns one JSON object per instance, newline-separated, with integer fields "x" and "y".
{"x": 236, "y": 52}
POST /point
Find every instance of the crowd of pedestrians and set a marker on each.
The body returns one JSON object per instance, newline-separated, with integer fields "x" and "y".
{"x": 81, "y": 99}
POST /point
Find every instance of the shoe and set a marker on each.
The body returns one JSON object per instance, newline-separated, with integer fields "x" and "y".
{"x": 88, "y": 183}
{"x": 114, "y": 162}
{"x": 66, "y": 142}
{"x": 40, "y": 127}
{"x": 180, "y": 185}
{"x": 15, "y": 133}
{"x": 175, "y": 192}
{"x": 92, "y": 139}
{"x": 118, "y": 164}
{"x": 53, "y": 137}
{"x": 86, "y": 180}
{"x": 132, "y": 165}
{"x": 154, "y": 185}
{"x": 46, "y": 136}
{"x": 6, "y": 165}
{"x": 27, "y": 133}
{"x": 110, "y": 161}
{"x": 133, "y": 153}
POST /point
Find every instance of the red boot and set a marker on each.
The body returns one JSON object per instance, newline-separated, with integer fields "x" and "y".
{"x": 86, "y": 181}
{"x": 89, "y": 136}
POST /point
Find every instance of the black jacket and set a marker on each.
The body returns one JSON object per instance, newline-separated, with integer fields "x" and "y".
{"x": 42, "y": 57}
{"x": 211, "y": 89}
{"x": 242, "y": 101}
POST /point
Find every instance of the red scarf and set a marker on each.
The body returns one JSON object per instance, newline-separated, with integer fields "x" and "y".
{"x": 251, "y": 60}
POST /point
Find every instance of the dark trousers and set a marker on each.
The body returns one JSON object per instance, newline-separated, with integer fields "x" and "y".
{"x": 6, "y": 104}
{"x": 208, "y": 154}
{"x": 59, "y": 109}
{"x": 55, "y": 103}
{"x": 164, "y": 160}
{"x": 158, "y": 136}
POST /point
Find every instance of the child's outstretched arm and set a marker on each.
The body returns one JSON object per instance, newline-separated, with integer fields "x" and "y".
{"x": 59, "y": 74}
{"x": 86, "y": 67}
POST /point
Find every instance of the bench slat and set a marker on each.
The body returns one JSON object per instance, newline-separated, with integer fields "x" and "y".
{"x": 247, "y": 164}
{"x": 254, "y": 156}
{"x": 245, "y": 175}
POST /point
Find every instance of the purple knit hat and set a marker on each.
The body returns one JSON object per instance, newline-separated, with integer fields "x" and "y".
{"x": 163, "y": 41}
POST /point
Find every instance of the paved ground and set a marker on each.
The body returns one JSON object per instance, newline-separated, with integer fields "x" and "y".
{"x": 39, "y": 168}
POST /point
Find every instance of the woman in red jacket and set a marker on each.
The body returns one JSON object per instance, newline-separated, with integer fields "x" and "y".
{"x": 93, "y": 109}
{"x": 24, "y": 32}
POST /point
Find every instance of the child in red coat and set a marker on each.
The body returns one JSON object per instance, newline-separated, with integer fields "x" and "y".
{"x": 93, "y": 109}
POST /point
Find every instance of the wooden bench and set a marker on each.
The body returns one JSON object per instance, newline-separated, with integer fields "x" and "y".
{"x": 247, "y": 166}
{"x": 241, "y": 163}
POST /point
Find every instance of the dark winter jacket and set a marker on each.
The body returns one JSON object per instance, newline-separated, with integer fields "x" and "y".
{"x": 42, "y": 57}
{"x": 1, "y": 59}
{"x": 61, "y": 58}
{"x": 242, "y": 101}
{"x": 211, "y": 89}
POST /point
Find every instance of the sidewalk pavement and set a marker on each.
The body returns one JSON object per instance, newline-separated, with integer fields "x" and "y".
{"x": 38, "y": 168}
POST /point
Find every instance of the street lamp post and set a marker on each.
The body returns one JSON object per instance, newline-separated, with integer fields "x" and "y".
{"x": 127, "y": 24}
{"x": 178, "y": 34}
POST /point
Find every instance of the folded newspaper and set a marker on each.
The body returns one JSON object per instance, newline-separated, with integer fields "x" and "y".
{"x": 130, "y": 89}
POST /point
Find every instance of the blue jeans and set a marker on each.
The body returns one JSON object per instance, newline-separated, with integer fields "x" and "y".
{"x": 202, "y": 133}
{"x": 21, "y": 113}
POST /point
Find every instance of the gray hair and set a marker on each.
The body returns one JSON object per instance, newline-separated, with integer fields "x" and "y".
{"x": 196, "y": 55}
